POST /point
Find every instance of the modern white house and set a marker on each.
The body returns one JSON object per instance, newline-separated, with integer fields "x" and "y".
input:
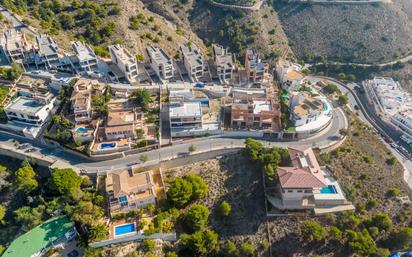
{"x": 28, "y": 115}
{"x": 160, "y": 62}
{"x": 304, "y": 108}
{"x": 185, "y": 116}
{"x": 15, "y": 45}
{"x": 223, "y": 60}
{"x": 307, "y": 185}
{"x": 125, "y": 62}
{"x": 193, "y": 61}
{"x": 46, "y": 52}
{"x": 85, "y": 58}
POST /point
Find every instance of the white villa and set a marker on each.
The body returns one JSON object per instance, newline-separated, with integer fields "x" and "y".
{"x": 306, "y": 185}
{"x": 125, "y": 62}
{"x": 160, "y": 62}
{"x": 27, "y": 115}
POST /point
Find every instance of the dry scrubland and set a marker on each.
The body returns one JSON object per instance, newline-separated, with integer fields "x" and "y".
{"x": 362, "y": 165}
{"x": 261, "y": 30}
{"x": 356, "y": 33}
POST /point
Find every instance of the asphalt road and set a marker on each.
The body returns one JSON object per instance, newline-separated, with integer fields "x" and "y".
{"x": 178, "y": 149}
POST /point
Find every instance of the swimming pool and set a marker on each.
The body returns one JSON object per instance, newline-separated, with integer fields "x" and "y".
{"x": 331, "y": 189}
{"x": 107, "y": 145}
{"x": 124, "y": 229}
{"x": 81, "y": 130}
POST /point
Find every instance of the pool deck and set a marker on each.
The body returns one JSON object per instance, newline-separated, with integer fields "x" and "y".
{"x": 121, "y": 222}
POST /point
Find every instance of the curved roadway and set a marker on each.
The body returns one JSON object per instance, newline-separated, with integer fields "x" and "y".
{"x": 329, "y": 136}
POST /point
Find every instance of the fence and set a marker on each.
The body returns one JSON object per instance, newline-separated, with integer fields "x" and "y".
{"x": 161, "y": 236}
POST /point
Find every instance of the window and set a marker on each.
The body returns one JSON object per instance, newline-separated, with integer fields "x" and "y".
{"x": 300, "y": 191}
{"x": 290, "y": 191}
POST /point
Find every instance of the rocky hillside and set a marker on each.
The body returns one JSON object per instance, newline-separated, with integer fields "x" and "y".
{"x": 102, "y": 22}
{"x": 235, "y": 29}
{"x": 355, "y": 33}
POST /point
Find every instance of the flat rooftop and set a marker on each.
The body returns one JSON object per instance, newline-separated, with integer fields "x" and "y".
{"x": 27, "y": 105}
{"x": 83, "y": 52}
{"x": 123, "y": 54}
{"x": 192, "y": 54}
{"x": 46, "y": 45}
{"x": 191, "y": 109}
{"x": 261, "y": 106}
{"x": 158, "y": 55}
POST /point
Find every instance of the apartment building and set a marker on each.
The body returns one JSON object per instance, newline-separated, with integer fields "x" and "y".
{"x": 125, "y": 62}
{"x": 15, "y": 45}
{"x": 403, "y": 120}
{"x": 127, "y": 191}
{"x": 304, "y": 108}
{"x": 223, "y": 60}
{"x": 307, "y": 185}
{"x": 388, "y": 95}
{"x": 193, "y": 61}
{"x": 255, "y": 113}
{"x": 256, "y": 68}
{"x": 46, "y": 52}
{"x": 185, "y": 115}
{"x": 85, "y": 58}
{"x": 160, "y": 62}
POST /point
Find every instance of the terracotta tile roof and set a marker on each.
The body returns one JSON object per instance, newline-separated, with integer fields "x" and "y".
{"x": 119, "y": 128}
{"x": 293, "y": 177}
{"x": 125, "y": 183}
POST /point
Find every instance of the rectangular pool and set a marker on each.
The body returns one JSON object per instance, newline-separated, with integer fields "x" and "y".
{"x": 331, "y": 189}
{"x": 108, "y": 145}
{"x": 124, "y": 229}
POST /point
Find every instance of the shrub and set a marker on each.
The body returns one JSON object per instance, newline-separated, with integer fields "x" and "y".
{"x": 200, "y": 243}
{"x": 197, "y": 217}
{"x": 148, "y": 245}
{"x": 230, "y": 249}
{"x": 247, "y": 249}
{"x": 402, "y": 238}
{"x": 312, "y": 231}
{"x": 394, "y": 191}
{"x": 225, "y": 209}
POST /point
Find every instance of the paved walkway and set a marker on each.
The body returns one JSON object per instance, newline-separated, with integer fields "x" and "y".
{"x": 254, "y": 7}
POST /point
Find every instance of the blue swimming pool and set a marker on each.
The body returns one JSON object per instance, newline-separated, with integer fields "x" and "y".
{"x": 331, "y": 189}
{"x": 81, "y": 130}
{"x": 124, "y": 229}
{"x": 107, "y": 145}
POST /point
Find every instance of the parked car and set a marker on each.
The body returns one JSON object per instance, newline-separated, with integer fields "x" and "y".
{"x": 23, "y": 146}
{"x": 31, "y": 150}
{"x": 388, "y": 140}
{"x": 356, "y": 107}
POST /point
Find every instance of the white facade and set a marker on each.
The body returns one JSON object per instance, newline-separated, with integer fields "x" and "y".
{"x": 32, "y": 111}
{"x": 404, "y": 121}
{"x": 46, "y": 52}
{"x": 389, "y": 95}
{"x": 85, "y": 56}
{"x": 193, "y": 61}
{"x": 14, "y": 45}
{"x": 160, "y": 62}
{"x": 256, "y": 69}
{"x": 289, "y": 74}
{"x": 304, "y": 109}
{"x": 224, "y": 63}
{"x": 185, "y": 116}
{"x": 125, "y": 61}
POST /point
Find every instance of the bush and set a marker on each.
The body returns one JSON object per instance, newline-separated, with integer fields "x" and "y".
{"x": 225, "y": 209}
{"x": 197, "y": 217}
{"x": 148, "y": 245}
{"x": 401, "y": 239}
{"x": 230, "y": 249}
{"x": 200, "y": 243}
{"x": 247, "y": 249}
{"x": 312, "y": 231}
{"x": 180, "y": 192}
{"x": 361, "y": 243}
{"x": 394, "y": 191}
